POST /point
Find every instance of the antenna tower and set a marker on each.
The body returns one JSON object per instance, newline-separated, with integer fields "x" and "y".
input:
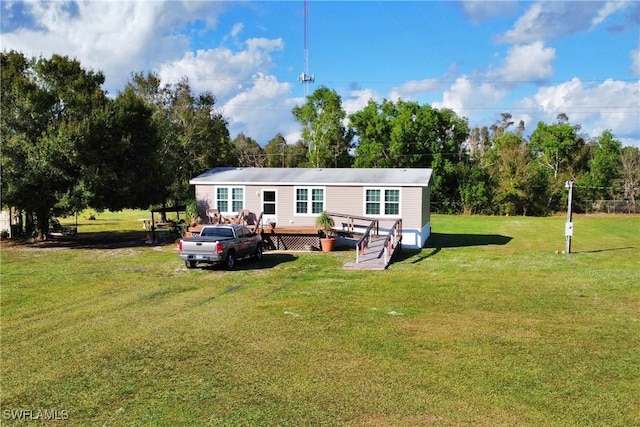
{"x": 306, "y": 78}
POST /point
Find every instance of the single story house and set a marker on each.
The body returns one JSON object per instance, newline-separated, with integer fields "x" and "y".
{"x": 295, "y": 196}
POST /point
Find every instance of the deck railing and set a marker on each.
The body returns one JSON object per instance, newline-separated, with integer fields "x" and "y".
{"x": 393, "y": 240}
{"x": 372, "y": 229}
{"x": 350, "y": 224}
{"x": 363, "y": 243}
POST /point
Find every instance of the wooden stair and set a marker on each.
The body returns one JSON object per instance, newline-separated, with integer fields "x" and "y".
{"x": 373, "y": 257}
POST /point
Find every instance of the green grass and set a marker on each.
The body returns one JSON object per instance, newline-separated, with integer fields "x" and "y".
{"x": 488, "y": 325}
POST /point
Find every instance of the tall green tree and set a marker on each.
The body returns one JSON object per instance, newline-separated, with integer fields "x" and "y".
{"x": 193, "y": 136}
{"x": 630, "y": 173}
{"x": 322, "y": 120}
{"x": 557, "y": 144}
{"x": 248, "y": 152}
{"x": 121, "y": 167}
{"x": 276, "y": 152}
{"x": 521, "y": 183}
{"x": 476, "y": 189}
{"x": 479, "y": 142}
{"x": 561, "y": 151}
{"x": 48, "y": 105}
{"x": 605, "y": 168}
{"x": 373, "y": 127}
{"x": 406, "y": 134}
{"x": 298, "y": 154}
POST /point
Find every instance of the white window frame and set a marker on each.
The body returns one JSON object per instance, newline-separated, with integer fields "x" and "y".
{"x": 383, "y": 201}
{"x": 230, "y": 198}
{"x": 310, "y": 200}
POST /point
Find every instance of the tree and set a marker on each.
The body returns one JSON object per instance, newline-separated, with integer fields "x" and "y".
{"x": 630, "y": 173}
{"x": 406, "y": 134}
{"x": 193, "y": 137}
{"x": 120, "y": 168}
{"x": 321, "y": 117}
{"x": 561, "y": 151}
{"x": 279, "y": 154}
{"x": 276, "y": 152}
{"x": 521, "y": 183}
{"x": 476, "y": 189}
{"x": 499, "y": 128}
{"x": 605, "y": 167}
{"x": 48, "y": 106}
{"x": 373, "y": 127}
{"x": 248, "y": 152}
{"x": 479, "y": 142}
{"x": 556, "y": 143}
{"x": 298, "y": 154}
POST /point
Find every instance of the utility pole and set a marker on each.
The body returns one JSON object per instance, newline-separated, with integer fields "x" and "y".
{"x": 568, "y": 228}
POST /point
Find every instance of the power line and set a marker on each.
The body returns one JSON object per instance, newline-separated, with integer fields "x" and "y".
{"x": 400, "y": 82}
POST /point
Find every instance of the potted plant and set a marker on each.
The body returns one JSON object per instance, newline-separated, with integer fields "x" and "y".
{"x": 192, "y": 213}
{"x": 326, "y": 223}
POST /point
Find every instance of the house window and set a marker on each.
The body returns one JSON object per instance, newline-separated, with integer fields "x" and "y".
{"x": 309, "y": 200}
{"x": 269, "y": 202}
{"x": 230, "y": 199}
{"x": 381, "y": 202}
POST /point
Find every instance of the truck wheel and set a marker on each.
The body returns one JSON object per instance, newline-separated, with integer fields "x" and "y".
{"x": 190, "y": 264}
{"x": 230, "y": 262}
{"x": 258, "y": 253}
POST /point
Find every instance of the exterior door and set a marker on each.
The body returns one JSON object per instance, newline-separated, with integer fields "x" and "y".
{"x": 269, "y": 206}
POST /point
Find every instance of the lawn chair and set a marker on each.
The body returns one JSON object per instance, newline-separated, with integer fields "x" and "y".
{"x": 213, "y": 216}
{"x": 249, "y": 219}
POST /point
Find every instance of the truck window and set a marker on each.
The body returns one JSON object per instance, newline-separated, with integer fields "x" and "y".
{"x": 217, "y": 232}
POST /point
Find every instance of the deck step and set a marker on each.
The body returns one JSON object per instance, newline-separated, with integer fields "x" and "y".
{"x": 373, "y": 258}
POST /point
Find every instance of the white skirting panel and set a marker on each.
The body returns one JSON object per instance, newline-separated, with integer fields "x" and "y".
{"x": 412, "y": 238}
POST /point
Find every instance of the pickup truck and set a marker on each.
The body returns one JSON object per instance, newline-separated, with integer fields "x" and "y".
{"x": 220, "y": 244}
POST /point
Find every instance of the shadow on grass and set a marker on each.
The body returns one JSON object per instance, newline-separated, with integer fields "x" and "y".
{"x": 438, "y": 241}
{"x": 92, "y": 240}
{"x": 595, "y": 251}
{"x": 449, "y": 240}
{"x": 269, "y": 260}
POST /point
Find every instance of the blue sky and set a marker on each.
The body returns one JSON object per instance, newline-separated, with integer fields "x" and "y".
{"x": 532, "y": 59}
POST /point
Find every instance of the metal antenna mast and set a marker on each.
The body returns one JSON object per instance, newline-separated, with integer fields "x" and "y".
{"x": 306, "y": 78}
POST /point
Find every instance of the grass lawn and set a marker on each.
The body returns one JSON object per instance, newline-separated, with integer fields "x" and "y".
{"x": 488, "y": 325}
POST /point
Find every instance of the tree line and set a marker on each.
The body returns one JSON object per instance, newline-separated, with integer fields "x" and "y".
{"x": 66, "y": 146}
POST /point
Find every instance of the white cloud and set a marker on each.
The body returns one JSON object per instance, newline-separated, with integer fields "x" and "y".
{"x": 479, "y": 11}
{"x": 221, "y": 71}
{"x": 116, "y": 38}
{"x": 612, "y": 104}
{"x": 414, "y": 88}
{"x": 237, "y": 28}
{"x": 358, "y": 99}
{"x": 553, "y": 20}
{"x": 262, "y": 110}
{"x": 605, "y": 11}
{"x": 526, "y": 63}
{"x": 635, "y": 61}
{"x": 466, "y": 97}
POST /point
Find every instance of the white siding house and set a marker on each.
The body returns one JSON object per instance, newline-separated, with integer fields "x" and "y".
{"x": 295, "y": 196}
